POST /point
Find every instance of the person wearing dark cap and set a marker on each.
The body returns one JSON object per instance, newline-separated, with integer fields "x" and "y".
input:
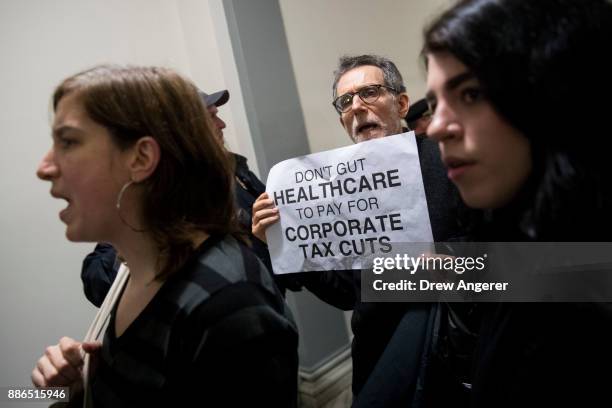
{"x": 213, "y": 101}
{"x": 100, "y": 267}
{"x": 418, "y": 117}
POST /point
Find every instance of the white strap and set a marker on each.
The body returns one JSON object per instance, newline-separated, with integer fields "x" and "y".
{"x": 99, "y": 323}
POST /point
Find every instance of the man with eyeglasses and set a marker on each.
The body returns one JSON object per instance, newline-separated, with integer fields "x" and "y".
{"x": 370, "y": 97}
{"x": 371, "y": 101}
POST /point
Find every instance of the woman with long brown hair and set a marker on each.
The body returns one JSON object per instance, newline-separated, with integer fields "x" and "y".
{"x": 199, "y": 317}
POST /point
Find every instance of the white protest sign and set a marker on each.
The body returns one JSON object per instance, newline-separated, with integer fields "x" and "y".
{"x": 339, "y": 206}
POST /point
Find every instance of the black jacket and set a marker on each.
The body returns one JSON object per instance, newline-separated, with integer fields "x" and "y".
{"x": 541, "y": 354}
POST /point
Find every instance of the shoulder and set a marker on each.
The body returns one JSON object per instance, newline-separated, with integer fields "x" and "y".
{"x": 226, "y": 297}
{"x": 240, "y": 323}
{"x": 242, "y": 313}
{"x": 231, "y": 261}
{"x": 223, "y": 262}
{"x": 241, "y": 164}
{"x": 225, "y": 277}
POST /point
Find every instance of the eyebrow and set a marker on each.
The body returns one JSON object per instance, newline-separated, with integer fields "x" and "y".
{"x": 457, "y": 80}
{"x": 63, "y": 129}
{"x": 452, "y": 83}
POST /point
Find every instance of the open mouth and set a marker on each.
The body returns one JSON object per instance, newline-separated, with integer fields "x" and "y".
{"x": 63, "y": 213}
{"x": 367, "y": 127}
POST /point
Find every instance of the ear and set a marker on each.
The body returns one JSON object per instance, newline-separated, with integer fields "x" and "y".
{"x": 144, "y": 158}
{"x": 404, "y": 104}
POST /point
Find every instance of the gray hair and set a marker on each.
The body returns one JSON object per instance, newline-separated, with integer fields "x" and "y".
{"x": 391, "y": 74}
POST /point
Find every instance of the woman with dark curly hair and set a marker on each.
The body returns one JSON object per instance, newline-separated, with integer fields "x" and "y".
{"x": 506, "y": 81}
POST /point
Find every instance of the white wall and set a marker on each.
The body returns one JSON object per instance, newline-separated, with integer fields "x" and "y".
{"x": 41, "y": 42}
{"x": 320, "y": 31}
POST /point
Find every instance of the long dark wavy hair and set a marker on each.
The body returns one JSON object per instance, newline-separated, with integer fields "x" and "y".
{"x": 543, "y": 66}
{"x": 191, "y": 189}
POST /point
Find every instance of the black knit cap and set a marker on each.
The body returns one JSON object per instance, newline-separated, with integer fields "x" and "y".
{"x": 417, "y": 110}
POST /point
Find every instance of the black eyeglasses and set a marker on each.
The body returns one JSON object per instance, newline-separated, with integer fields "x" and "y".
{"x": 368, "y": 94}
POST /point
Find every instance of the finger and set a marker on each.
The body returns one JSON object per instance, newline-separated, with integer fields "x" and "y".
{"x": 64, "y": 369}
{"x": 262, "y": 196}
{"x": 37, "y": 378}
{"x": 71, "y": 351}
{"x": 263, "y": 204}
{"x": 92, "y": 347}
{"x": 263, "y": 214}
{"x": 52, "y": 377}
{"x": 266, "y": 222}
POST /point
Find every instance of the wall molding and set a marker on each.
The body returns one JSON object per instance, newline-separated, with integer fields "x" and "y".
{"x": 328, "y": 385}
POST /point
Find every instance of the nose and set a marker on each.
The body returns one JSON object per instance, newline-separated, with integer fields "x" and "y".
{"x": 358, "y": 104}
{"x": 47, "y": 169}
{"x": 219, "y": 123}
{"x": 444, "y": 124}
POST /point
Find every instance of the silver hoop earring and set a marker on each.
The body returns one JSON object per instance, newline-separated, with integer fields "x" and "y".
{"x": 120, "y": 196}
{"x": 118, "y": 206}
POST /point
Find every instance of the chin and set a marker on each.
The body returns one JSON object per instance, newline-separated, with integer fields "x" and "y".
{"x": 370, "y": 136}
{"x": 482, "y": 200}
{"x": 71, "y": 237}
{"x": 75, "y": 235}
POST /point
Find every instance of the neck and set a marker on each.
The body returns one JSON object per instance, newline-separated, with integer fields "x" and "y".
{"x": 143, "y": 255}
